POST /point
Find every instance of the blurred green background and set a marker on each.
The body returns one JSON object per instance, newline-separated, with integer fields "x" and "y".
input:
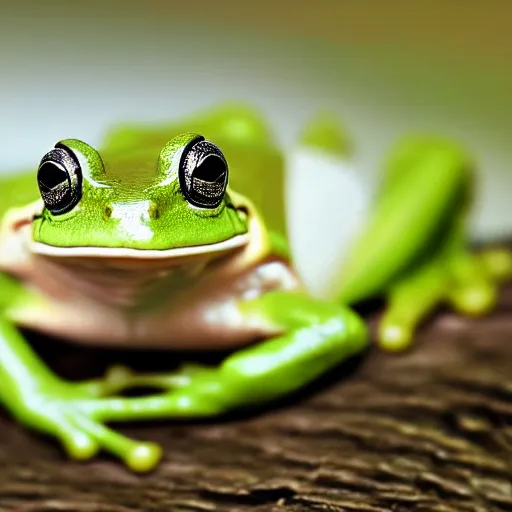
{"x": 70, "y": 69}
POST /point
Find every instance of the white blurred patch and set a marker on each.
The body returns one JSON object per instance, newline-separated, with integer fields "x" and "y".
{"x": 326, "y": 206}
{"x": 134, "y": 219}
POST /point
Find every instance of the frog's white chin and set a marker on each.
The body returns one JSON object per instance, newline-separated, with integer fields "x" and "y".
{"x": 175, "y": 253}
{"x": 124, "y": 277}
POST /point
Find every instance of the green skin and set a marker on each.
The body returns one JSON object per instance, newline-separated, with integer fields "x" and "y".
{"x": 413, "y": 216}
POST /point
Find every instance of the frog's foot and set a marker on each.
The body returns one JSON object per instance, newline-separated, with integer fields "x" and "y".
{"x": 468, "y": 282}
{"x": 475, "y": 278}
{"x": 120, "y": 378}
{"x": 77, "y": 421}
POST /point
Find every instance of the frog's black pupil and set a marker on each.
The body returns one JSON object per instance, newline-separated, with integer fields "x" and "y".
{"x": 210, "y": 169}
{"x": 51, "y": 175}
{"x": 203, "y": 174}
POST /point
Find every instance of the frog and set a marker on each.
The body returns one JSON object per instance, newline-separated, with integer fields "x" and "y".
{"x": 174, "y": 236}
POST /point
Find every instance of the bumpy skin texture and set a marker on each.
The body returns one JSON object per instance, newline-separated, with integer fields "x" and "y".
{"x": 129, "y": 203}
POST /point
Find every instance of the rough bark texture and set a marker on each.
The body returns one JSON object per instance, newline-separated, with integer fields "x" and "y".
{"x": 430, "y": 430}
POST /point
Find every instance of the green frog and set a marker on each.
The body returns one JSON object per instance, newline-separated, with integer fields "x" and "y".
{"x": 175, "y": 237}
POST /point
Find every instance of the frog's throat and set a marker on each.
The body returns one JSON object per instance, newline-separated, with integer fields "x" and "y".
{"x": 126, "y": 252}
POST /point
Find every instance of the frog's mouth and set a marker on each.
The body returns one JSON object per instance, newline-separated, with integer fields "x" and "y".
{"x": 175, "y": 254}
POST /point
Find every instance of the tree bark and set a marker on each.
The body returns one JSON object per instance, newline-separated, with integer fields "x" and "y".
{"x": 429, "y": 430}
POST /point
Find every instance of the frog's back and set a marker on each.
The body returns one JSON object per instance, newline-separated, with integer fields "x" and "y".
{"x": 256, "y": 164}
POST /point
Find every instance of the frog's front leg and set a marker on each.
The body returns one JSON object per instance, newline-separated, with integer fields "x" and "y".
{"x": 65, "y": 410}
{"x": 313, "y": 336}
{"x": 310, "y": 337}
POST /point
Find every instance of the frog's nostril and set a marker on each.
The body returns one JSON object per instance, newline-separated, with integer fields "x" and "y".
{"x": 153, "y": 211}
{"x": 108, "y": 212}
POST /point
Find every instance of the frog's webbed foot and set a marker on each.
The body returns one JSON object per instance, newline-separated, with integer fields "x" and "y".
{"x": 120, "y": 378}
{"x": 71, "y": 412}
{"x": 467, "y": 282}
{"x": 67, "y": 412}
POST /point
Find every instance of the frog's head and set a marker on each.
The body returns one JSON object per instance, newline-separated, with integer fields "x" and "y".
{"x": 138, "y": 204}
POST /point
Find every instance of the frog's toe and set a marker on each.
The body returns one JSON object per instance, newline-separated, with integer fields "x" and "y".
{"x": 143, "y": 457}
{"x": 137, "y": 455}
{"x": 497, "y": 262}
{"x": 473, "y": 284}
{"x": 394, "y": 336}
{"x": 78, "y": 444}
{"x": 409, "y": 302}
{"x": 474, "y": 299}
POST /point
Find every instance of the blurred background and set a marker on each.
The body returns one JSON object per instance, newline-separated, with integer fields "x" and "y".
{"x": 70, "y": 69}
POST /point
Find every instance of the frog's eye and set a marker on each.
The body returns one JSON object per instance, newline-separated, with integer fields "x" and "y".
{"x": 60, "y": 180}
{"x": 203, "y": 174}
